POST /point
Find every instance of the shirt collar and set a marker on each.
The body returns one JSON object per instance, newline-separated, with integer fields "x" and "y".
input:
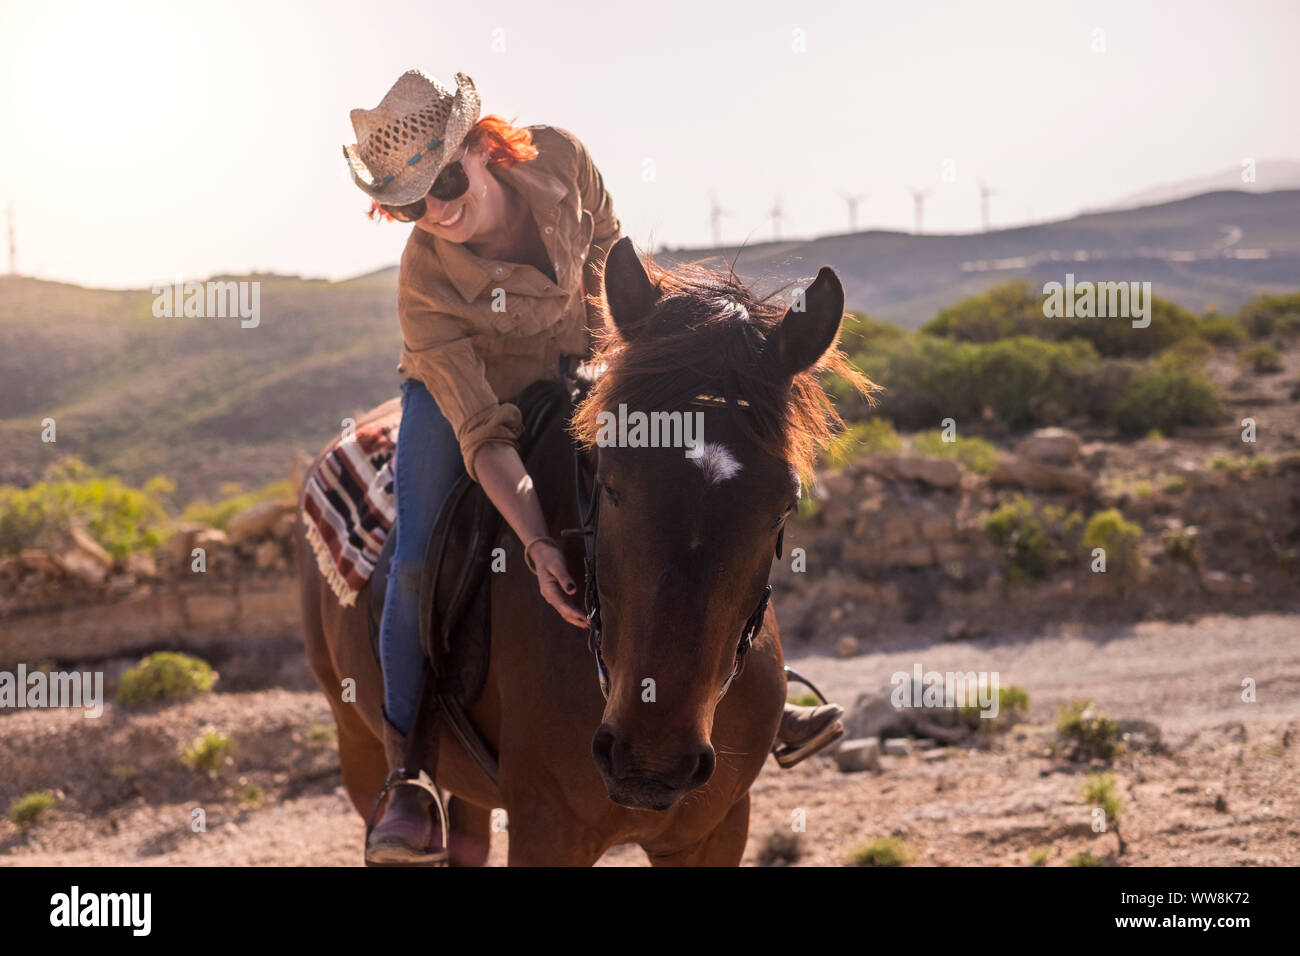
{"x": 471, "y": 273}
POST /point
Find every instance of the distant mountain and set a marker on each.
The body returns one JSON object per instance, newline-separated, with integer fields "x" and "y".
{"x": 1269, "y": 176}
{"x": 1215, "y": 249}
{"x": 205, "y": 401}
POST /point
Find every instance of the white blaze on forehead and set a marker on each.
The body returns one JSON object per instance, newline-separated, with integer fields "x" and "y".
{"x": 798, "y": 482}
{"x": 717, "y": 462}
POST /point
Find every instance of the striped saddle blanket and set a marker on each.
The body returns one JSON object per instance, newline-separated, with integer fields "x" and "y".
{"x": 348, "y": 504}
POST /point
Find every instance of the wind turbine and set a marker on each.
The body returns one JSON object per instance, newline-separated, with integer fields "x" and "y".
{"x": 985, "y": 192}
{"x": 716, "y": 213}
{"x": 852, "y": 200}
{"x": 776, "y": 213}
{"x": 918, "y": 206}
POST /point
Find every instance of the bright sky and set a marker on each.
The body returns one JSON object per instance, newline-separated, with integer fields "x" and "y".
{"x": 150, "y": 140}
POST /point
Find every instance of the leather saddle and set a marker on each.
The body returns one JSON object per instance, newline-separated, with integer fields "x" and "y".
{"x": 455, "y": 600}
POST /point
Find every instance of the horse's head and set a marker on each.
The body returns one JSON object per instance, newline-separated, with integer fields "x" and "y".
{"x": 687, "y": 533}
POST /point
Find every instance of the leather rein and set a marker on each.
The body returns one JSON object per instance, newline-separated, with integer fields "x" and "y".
{"x": 589, "y": 513}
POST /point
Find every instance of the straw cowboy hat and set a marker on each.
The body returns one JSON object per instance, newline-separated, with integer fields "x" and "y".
{"x": 405, "y": 141}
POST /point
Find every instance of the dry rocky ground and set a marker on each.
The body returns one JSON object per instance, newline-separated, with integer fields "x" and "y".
{"x": 1227, "y": 790}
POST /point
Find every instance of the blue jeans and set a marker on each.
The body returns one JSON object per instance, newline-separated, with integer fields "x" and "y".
{"x": 428, "y": 466}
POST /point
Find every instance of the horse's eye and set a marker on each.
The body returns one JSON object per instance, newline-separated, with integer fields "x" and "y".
{"x": 610, "y": 493}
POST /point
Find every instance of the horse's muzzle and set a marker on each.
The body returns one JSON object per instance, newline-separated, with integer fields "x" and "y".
{"x": 632, "y": 784}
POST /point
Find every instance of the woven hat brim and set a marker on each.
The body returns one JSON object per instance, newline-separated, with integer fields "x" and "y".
{"x": 413, "y": 182}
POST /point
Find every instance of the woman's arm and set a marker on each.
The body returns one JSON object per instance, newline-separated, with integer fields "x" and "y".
{"x": 502, "y": 475}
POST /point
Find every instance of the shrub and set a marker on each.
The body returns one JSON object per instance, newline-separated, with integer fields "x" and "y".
{"x": 233, "y": 500}
{"x": 1039, "y": 857}
{"x": 1084, "y": 858}
{"x": 121, "y": 518}
{"x": 887, "y": 851}
{"x": 1031, "y": 538}
{"x": 780, "y": 849}
{"x": 1165, "y": 397}
{"x": 973, "y": 453}
{"x": 1262, "y": 359}
{"x": 1014, "y": 309}
{"x": 28, "y": 810}
{"x": 805, "y": 700}
{"x": 875, "y": 436}
{"x": 1268, "y": 315}
{"x": 1087, "y": 734}
{"x": 1013, "y": 703}
{"x": 1174, "y": 485}
{"x": 165, "y": 676}
{"x": 1120, "y": 539}
{"x": 207, "y": 752}
{"x": 1218, "y": 330}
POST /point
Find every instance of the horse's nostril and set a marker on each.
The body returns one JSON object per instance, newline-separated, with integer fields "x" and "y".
{"x": 602, "y": 748}
{"x": 706, "y": 762}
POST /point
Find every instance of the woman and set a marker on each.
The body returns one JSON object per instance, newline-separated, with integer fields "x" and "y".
{"x": 512, "y": 227}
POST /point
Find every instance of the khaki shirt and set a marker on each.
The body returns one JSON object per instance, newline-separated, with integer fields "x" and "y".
{"x": 477, "y": 331}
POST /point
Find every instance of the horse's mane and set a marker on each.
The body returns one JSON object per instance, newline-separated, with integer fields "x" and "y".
{"x": 707, "y": 337}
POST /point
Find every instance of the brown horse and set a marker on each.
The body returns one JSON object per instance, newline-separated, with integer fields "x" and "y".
{"x": 684, "y": 546}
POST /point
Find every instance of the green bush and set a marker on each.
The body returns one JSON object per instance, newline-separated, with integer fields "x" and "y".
{"x": 28, "y": 810}
{"x": 973, "y": 453}
{"x": 165, "y": 676}
{"x": 887, "y": 851}
{"x": 875, "y": 436}
{"x": 1166, "y": 397}
{"x": 1120, "y": 539}
{"x": 233, "y": 500}
{"x": 1014, "y": 309}
{"x": 1218, "y": 330}
{"x": 121, "y": 518}
{"x": 1013, "y": 704}
{"x": 1086, "y": 734}
{"x": 207, "y": 752}
{"x": 1263, "y": 359}
{"x": 1084, "y": 858}
{"x": 1033, "y": 539}
{"x": 1099, "y": 791}
{"x": 1268, "y": 315}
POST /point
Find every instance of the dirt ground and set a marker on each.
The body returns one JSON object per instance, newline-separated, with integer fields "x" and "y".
{"x": 1227, "y": 791}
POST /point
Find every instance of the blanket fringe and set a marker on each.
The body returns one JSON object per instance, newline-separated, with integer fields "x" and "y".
{"x": 347, "y": 596}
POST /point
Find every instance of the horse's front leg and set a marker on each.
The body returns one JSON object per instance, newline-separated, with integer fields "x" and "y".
{"x": 544, "y": 832}
{"x": 722, "y": 846}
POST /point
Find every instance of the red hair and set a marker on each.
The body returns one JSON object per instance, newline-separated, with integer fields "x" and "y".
{"x": 507, "y": 146}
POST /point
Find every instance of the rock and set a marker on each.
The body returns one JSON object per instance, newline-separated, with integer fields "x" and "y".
{"x": 936, "y": 472}
{"x": 257, "y": 522}
{"x": 181, "y": 544}
{"x": 933, "y": 756}
{"x": 1023, "y": 472}
{"x": 898, "y": 747}
{"x": 847, "y": 646}
{"x": 141, "y": 565}
{"x": 80, "y": 556}
{"x": 34, "y": 559}
{"x": 269, "y": 555}
{"x": 837, "y": 484}
{"x": 1051, "y": 446}
{"x": 857, "y": 755}
{"x": 1218, "y": 583}
{"x": 957, "y": 631}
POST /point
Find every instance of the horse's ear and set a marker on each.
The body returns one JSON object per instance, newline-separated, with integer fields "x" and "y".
{"x": 628, "y": 290}
{"x": 810, "y": 325}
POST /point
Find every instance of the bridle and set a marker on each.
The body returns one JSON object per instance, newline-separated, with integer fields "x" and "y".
{"x": 589, "y": 513}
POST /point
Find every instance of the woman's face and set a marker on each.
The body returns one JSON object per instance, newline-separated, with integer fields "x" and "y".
{"x": 470, "y": 215}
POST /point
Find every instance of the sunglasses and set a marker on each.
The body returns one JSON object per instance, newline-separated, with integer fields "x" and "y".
{"x": 450, "y": 184}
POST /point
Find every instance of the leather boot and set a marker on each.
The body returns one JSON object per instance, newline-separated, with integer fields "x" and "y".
{"x": 411, "y": 831}
{"x": 806, "y": 730}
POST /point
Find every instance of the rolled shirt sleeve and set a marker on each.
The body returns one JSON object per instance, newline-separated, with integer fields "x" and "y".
{"x": 438, "y": 353}
{"x": 597, "y": 201}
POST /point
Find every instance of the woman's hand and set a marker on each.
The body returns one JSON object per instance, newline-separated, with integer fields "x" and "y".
{"x": 553, "y": 580}
{"x": 502, "y": 476}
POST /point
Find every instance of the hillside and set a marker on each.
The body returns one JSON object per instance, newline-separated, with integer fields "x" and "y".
{"x": 207, "y": 402}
